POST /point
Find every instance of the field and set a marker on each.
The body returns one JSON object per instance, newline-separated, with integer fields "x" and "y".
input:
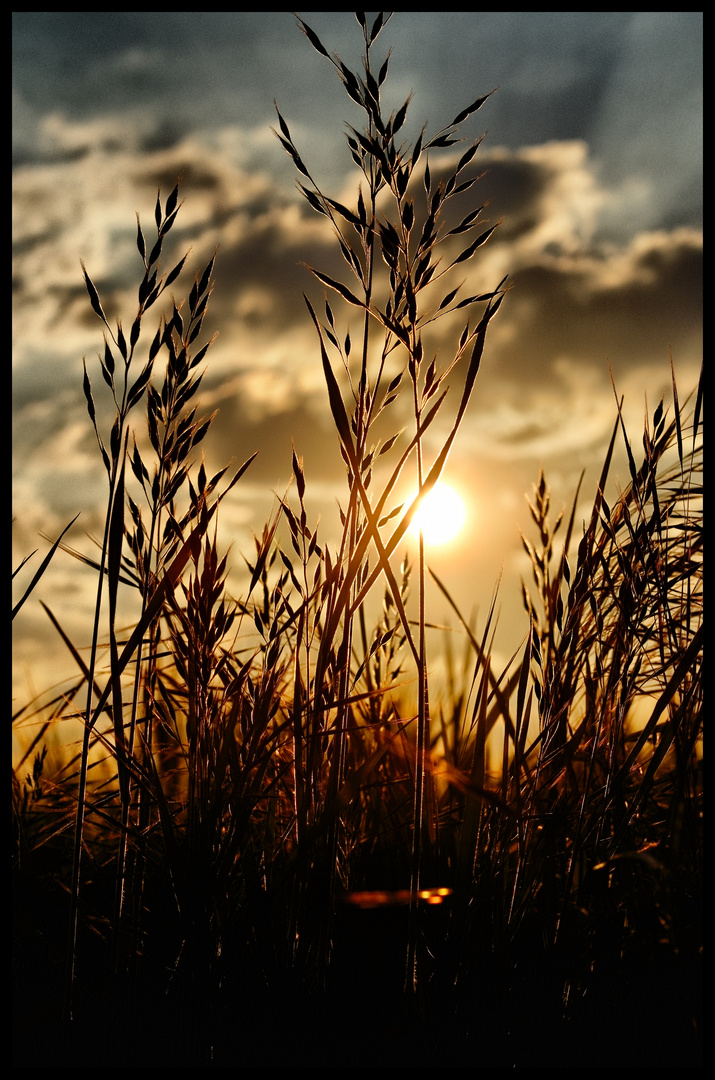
{"x": 270, "y": 841}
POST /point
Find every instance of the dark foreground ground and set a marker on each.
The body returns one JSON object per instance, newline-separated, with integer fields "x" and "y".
{"x": 509, "y": 1006}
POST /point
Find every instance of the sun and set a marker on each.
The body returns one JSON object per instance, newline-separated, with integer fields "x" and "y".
{"x": 440, "y": 517}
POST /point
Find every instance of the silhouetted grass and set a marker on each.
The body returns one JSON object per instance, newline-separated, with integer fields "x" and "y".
{"x": 260, "y": 851}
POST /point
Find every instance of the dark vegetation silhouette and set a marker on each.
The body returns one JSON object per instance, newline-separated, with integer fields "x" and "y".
{"x": 268, "y": 845}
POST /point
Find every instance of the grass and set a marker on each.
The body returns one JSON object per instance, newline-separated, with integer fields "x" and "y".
{"x": 271, "y": 844}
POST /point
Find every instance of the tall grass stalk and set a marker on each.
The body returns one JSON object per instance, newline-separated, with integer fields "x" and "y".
{"x": 409, "y": 237}
{"x": 276, "y": 822}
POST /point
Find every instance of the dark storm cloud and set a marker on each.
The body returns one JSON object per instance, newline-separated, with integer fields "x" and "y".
{"x": 562, "y": 309}
{"x": 172, "y": 73}
{"x": 629, "y": 83}
{"x": 509, "y": 187}
{"x": 102, "y": 59}
{"x": 237, "y": 433}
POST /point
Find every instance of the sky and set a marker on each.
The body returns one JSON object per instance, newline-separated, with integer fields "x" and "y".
{"x": 593, "y": 163}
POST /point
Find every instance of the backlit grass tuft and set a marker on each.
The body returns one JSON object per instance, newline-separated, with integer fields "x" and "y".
{"x": 269, "y": 843}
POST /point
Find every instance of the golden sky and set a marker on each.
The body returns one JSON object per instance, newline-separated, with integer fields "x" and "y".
{"x": 593, "y": 159}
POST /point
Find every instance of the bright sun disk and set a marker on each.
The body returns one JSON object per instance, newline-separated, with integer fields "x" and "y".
{"x": 441, "y": 515}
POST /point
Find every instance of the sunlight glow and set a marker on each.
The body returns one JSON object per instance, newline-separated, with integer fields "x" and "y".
{"x": 441, "y": 516}
{"x": 376, "y": 898}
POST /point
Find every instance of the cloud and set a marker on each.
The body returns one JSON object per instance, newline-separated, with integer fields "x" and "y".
{"x": 577, "y": 300}
{"x": 581, "y": 301}
{"x": 649, "y": 127}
